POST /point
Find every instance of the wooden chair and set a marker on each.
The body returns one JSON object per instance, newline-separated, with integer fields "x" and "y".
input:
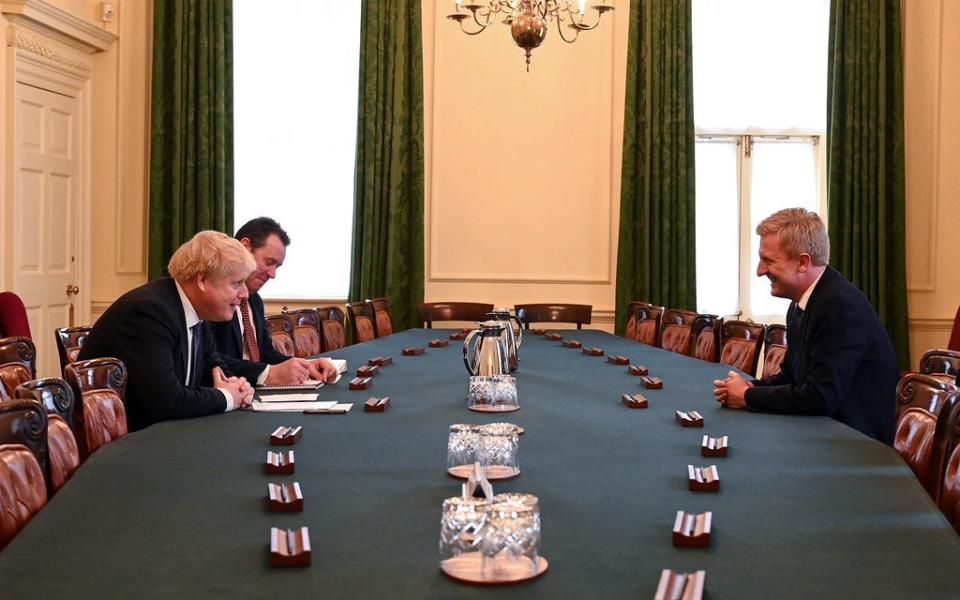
{"x": 554, "y": 313}
{"x": 643, "y": 324}
{"x": 705, "y": 331}
{"x": 382, "y": 323}
{"x": 775, "y": 349}
{"x": 281, "y": 334}
{"x": 740, "y": 343}
{"x": 17, "y": 362}
{"x": 946, "y": 460}
{"x": 362, "y": 321}
{"x": 98, "y": 386}
{"x": 914, "y": 441}
{"x": 916, "y": 390}
{"x": 940, "y": 362}
{"x": 23, "y": 489}
{"x": 676, "y": 331}
{"x": 63, "y": 454}
{"x": 332, "y": 325}
{"x": 306, "y": 332}
{"x": 428, "y": 312}
{"x": 13, "y": 316}
{"x": 69, "y": 342}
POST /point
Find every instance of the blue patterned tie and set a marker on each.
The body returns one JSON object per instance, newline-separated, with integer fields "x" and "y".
{"x": 195, "y": 362}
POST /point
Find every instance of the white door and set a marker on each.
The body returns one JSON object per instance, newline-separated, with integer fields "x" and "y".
{"x": 46, "y": 195}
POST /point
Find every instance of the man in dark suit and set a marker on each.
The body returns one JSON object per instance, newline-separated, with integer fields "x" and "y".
{"x": 157, "y": 331}
{"x": 839, "y": 361}
{"x": 243, "y": 342}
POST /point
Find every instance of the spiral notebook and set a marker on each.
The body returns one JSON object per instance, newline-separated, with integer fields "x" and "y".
{"x": 310, "y": 385}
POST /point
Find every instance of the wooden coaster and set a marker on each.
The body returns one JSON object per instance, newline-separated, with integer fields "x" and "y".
{"x": 468, "y": 567}
{"x": 593, "y": 351}
{"x": 651, "y": 383}
{"x": 380, "y": 361}
{"x": 368, "y": 370}
{"x": 412, "y": 351}
{"x": 638, "y": 370}
{"x": 360, "y": 383}
{"x": 493, "y": 472}
{"x": 618, "y": 360}
{"x": 634, "y": 401}
{"x": 285, "y": 436}
{"x": 376, "y": 404}
{"x": 571, "y": 344}
{"x": 438, "y": 343}
{"x": 553, "y": 337}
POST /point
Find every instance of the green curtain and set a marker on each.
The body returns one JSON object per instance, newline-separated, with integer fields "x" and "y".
{"x": 865, "y": 164}
{"x": 387, "y": 257}
{"x": 656, "y": 259}
{"x": 191, "y": 145}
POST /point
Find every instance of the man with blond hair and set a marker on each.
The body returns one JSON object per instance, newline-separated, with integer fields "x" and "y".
{"x": 839, "y": 361}
{"x": 157, "y": 331}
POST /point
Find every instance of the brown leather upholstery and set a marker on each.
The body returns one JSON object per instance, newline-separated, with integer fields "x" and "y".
{"x": 281, "y": 334}
{"x": 24, "y": 421}
{"x": 382, "y": 323}
{"x": 331, "y": 321}
{"x": 306, "y": 332}
{"x": 56, "y": 397}
{"x": 928, "y": 392}
{"x": 705, "y": 331}
{"x": 23, "y": 491}
{"x": 19, "y": 350}
{"x": 676, "y": 333}
{"x": 69, "y": 342}
{"x": 361, "y": 321}
{"x": 105, "y": 419}
{"x": 914, "y": 440}
{"x": 950, "y": 490}
{"x": 428, "y": 312}
{"x": 946, "y": 362}
{"x": 740, "y": 345}
{"x": 99, "y": 385}
{"x": 554, "y": 313}
{"x": 775, "y": 349}
{"x": 643, "y": 323}
{"x": 12, "y": 375}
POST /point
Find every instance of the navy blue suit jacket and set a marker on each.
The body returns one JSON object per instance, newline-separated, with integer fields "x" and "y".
{"x": 147, "y": 330}
{"x": 229, "y": 341}
{"x": 839, "y": 362}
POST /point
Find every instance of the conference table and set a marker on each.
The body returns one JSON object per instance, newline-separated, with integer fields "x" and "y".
{"x": 807, "y": 507}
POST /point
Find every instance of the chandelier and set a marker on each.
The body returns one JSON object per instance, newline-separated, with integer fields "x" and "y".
{"x": 528, "y": 19}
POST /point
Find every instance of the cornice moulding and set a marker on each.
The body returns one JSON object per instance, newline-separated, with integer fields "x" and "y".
{"x": 70, "y": 29}
{"x": 45, "y": 47}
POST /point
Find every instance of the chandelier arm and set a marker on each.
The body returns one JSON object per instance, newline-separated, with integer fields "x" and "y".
{"x": 576, "y": 32}
{"x": 477, "y": 32}
{"x": 488, "y": 18}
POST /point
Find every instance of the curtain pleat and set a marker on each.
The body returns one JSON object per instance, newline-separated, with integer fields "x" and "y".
{"x": 191, "y": 144}
{"x": 656, "y": 258}
{"x": 387, "y": 254}
{"x": 865, "y": 159}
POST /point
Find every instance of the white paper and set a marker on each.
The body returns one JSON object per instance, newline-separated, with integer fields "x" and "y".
{"x": 292, "y": 406}
{"x": 308, "y": 397}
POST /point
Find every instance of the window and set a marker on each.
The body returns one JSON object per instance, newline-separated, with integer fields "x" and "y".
{"x": 295, "y": 121}
{"x": 760, "y": 76}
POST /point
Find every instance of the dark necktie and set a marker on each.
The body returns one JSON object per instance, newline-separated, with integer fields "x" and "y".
{"x": 249, "y": 339}
{"x": 195, "y": 362}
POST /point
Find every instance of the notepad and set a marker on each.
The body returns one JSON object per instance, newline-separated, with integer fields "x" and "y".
{"x": 309, "y": 397}
{"x": 292, "y": 406}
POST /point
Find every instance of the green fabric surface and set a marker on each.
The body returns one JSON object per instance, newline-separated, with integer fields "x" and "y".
{"x": 191, "y": 133}
{"x": 656, "y": 256}
{"x": 865, "y": 160}
{"x": 387, "y": 251}
{"x": 808, "y": 507}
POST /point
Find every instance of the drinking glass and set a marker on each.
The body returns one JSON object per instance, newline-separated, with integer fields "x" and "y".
{"x": 462, "y": 445}
{"x": 511, "y": 537}
{"x": 492, "y": 393}
{"x": 461, "y": 526}
{"x": 497, "y": 450}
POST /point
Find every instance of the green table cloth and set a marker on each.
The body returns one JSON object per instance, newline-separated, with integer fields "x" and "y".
{"x": 807, "y": 508}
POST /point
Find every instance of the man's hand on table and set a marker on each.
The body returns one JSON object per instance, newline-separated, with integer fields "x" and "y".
{"x": 323, "y": 369}
{"x": 289, "y": 372}
{"x": 239, "y": 388}
{"x": 730, "y": 391}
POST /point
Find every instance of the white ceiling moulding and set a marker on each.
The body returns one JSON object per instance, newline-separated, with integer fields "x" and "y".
{"x": 52, "y": 22}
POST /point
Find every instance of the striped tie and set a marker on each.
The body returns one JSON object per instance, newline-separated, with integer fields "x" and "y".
{"x": 249, "y": 339}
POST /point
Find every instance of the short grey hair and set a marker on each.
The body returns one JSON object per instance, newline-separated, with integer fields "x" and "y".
{"x": 213, "y": 253}
{"x": 799, "y": 230}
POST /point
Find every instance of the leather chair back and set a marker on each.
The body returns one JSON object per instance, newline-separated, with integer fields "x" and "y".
{"x": 428, "y": 312}
{"x": 943, "y": 362}
{"x": 18, "y": 350}
{"x": 382, "y": 323}
{"x": 677, "y": 333}
{"x": 12, "y": 375}
{"x": 705, "y": 331}
{"x": 554, "y": 313}
{"x": 950, "y": 490}
{"x": 69, "y": 342}
{"x": 306, "y": 332}
{"x": 775, "y": 349}
{"x": 99, "y": 385}
{"x": 915, "y": 390}
{"x": 281, "y": 334}
{"x": 643, "y": 323}
{"x": 740, "y": 343}
{"x": 331, "y": 325}
{"x": 63, "y": 453}
{"x": 361, "y": 321}
{"x": 23, "y": 491}
{"x": 914, "y": 441}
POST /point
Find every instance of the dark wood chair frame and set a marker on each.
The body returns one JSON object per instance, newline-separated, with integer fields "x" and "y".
{"x": 378, "y": 305}
{"x": 70, "y": 337}
{"x": 701, "y": 322}
{"x": 554, "y": 313}
{"x": 644, "y": 311}
{"x": 678, "y": 316}
{"x": 363, "y": 309}
{"x": 19, "y": 350}
{"x": 939, "y": 361}
{"x": 428, "y": 312}
{"x": 56, "y": 397}
{"x": 24, "y": 421}
{"x": 309, "y": 317}
{"x": 94, "y": 374}
{"x": 331, "y": 313}
{"x": 281, "y": 323}
{"x": 745, "y": 330}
